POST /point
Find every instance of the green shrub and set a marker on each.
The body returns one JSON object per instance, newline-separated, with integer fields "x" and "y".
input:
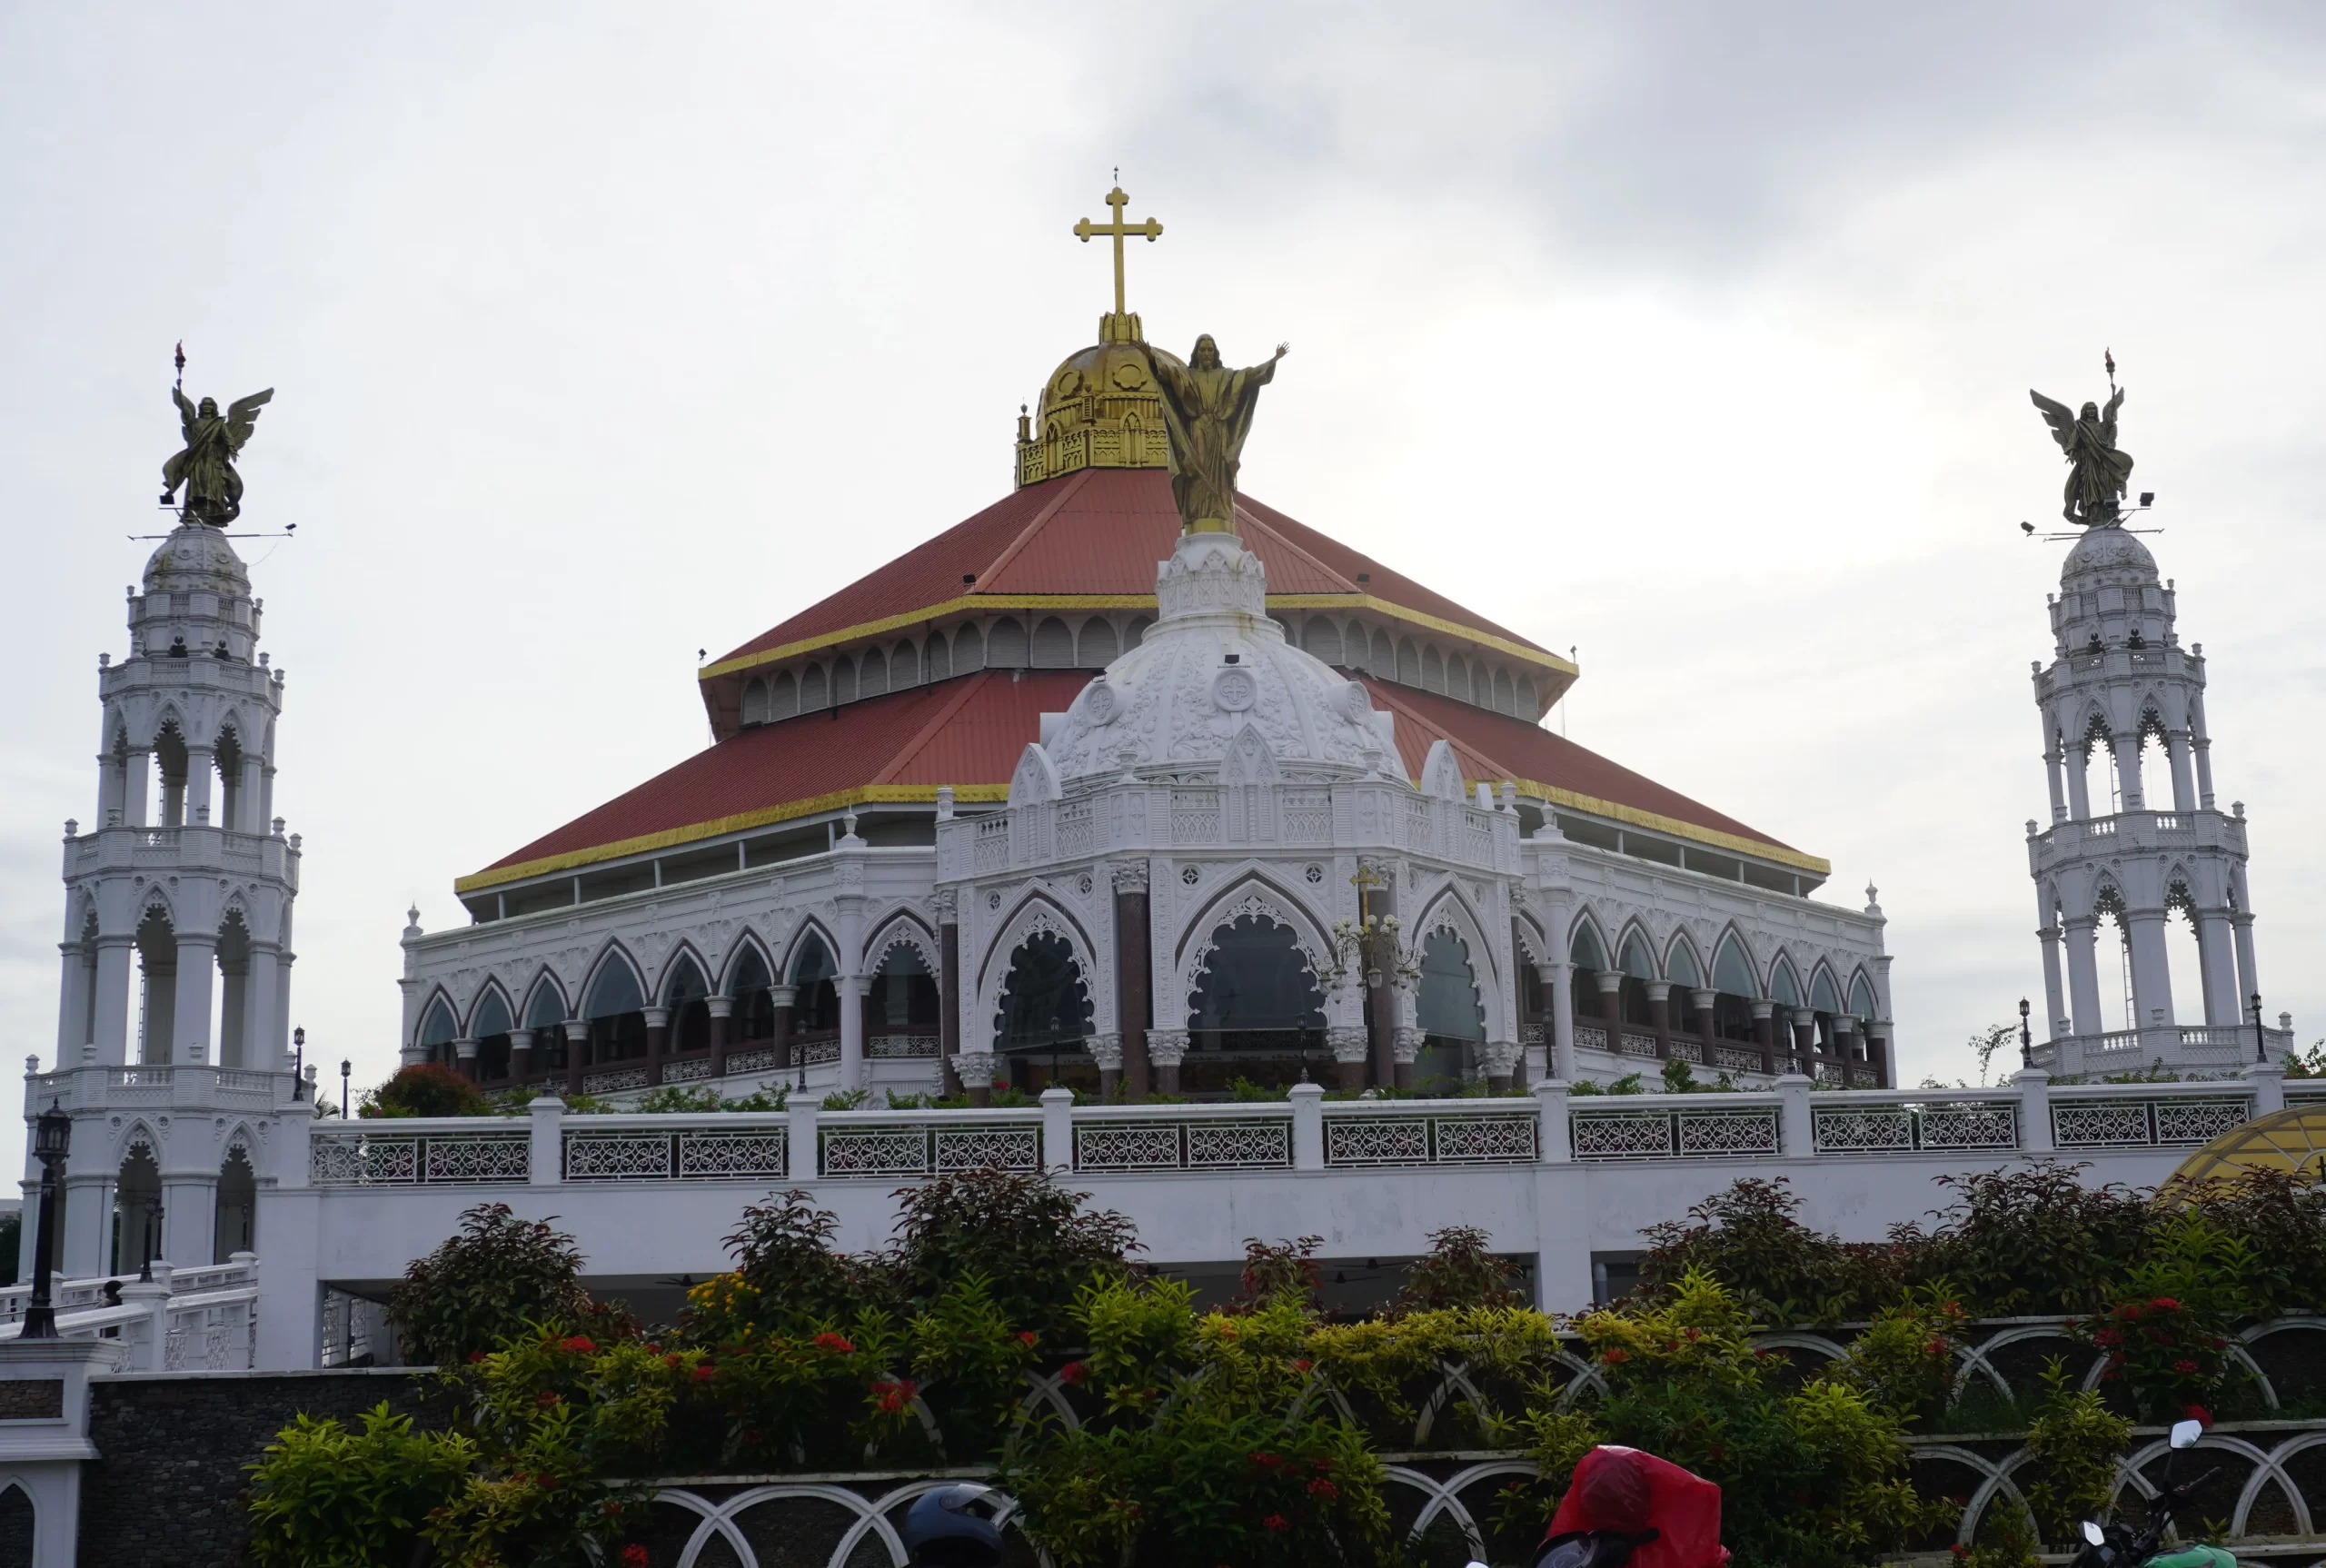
{"x": 2073, "y": 1445}
{"x": 495, "y": 1279}
{"x": 424, "y": 1089}
{"x": 325, "y": 1497}
{"x": 1459, "y": 1270}
{"x": 1035, "y": 1242}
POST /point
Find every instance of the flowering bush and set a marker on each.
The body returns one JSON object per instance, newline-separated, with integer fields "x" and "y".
{"x": 424, "y": 1089}
{"x": 492, "y": 1280}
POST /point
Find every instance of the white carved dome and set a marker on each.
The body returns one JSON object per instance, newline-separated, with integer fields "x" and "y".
{"x": 1211, "y": 668}
{"x": 2111, "y": 551}
{"x": 196, "y": 559}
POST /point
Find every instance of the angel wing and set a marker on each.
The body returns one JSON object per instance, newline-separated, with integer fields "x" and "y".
{"x": 2058, "y": 416}
{"x": 241, "y": 417}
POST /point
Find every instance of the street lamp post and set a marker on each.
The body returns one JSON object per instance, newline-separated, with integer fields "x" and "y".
{"x": 153, "y": 1237}
{"x": 2026, "y": 1038}
{"x": 299, "y": 1062}
{"x": 52, "y": 1141}
{"x": 345, "y": 1068}
{"x": 2261, "y": 1040}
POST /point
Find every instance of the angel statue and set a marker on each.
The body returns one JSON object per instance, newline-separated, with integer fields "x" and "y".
{"x": 2097, "y": 472}
{"x": 214, "y": 491}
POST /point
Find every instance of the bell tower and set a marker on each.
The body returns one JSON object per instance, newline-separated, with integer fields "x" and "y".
{"x": 2136, "y": 841}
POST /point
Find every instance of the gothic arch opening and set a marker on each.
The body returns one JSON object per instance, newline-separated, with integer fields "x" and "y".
{"x": 489, "y": 1026}
{"x": 136, "y": 1210}
{"x": 747, "y": 981}
{"x": 1451, "y": 1018}
{"x": 545, "y": 1016}
{"x": 2113, "y": 939}
{"x": 1257, "y": 1012}
{"x": 157, "y": 987}
{"x": 687, "y": 995}
{"x": 1044, "y": 1017}
{"x": 17, "y": 1523}
{"x": 615, "y": 1009}
{"x": 815, "y": 1017}
{"x": 438, "y": 1029}
{"x": 237, "y": 1209}
{"x": 2185, "y": 957}
{"x": 901, "y": 1014}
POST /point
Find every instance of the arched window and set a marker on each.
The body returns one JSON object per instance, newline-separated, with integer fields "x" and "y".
{"x": 783, "y": 697}
{"x": 1005, "y": 646}
{"x": 489, "y": 1026}
{"x": 1448, "y": 1008}
{"x": 615, "y": 1007}
{"x": 1384, "y": 657}
{"x": 1408, "y": 663}
{"x": 237, "y": 1228}
{"x": 17, "y": 1518}
{"x": 748, "y": 980}
{"x": 754, "y": 700}
{"x": 1136, "y": 632}
{"x": 1784, "y": 987}
{"x": 812, "y": 689}
{"x": 903, "y": 1003}
{"x": 816, "y": 1000}
{"x": 1861, "y": 1001}
{"x": 1053, "y": 645}
{"x": 684, "y": 994}
{"x": 1506, "y": 697}
{"x": 437, "y": 1030}
{"x": 157, "y": 969}
{"x": 1099, "y": 645}
{"x": 1680, "y": 966}
{"x": 136, "y": 1210}
{"x": 1256, "y": 1011}
{"x": 872, "y": 673}
{"x": 844, "y": 687}
{"x": 1322, "y": 638}
{"x": 1732, "y": 970}
{"x": 545, "y": 1015}
{"x": 1823, "y": 994}
{"x": 1045, "y": 1001}
{"x": 1457, "y": 678}
{"x": 1589, "y": 958}
{"x": 904, "y": 667}
{"x": 1529, "y": 705}
{"x": 940, "y": 657}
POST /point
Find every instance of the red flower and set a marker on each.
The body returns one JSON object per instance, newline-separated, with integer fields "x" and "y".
{"x": 634, "y": 1556}
{"x": 671, "y": 1361}
{"x": 475, "y": 1357}
{"x": 1323, "y": 1466}
{"x": 1323, "y": 1489}
{"x": 1301, "y": 1365}
{"x": 833, "y": 1343}
{"x": 1960, "y": 1551}
{"x": 1936, "y": 1347}
{"x": 1266, "y": 1460}
{"x": 1273, "y": 1522}
{"x": 577, "y": 1345}
{"x": 2108, "y": 1336}
{"x": 705, "y": 1373}
{"x": 1026, "y": 1335}
{"x": 895, "y": 1394}
{"x": 2128, "y": 1311}
{"x": 1072, "y": 1371}
{"x": 2198, "y": 1413}
{"x": 2184, "y": 1367}
{"x": 546, "y": 1399}
{"x": 2165, "y": 1304}
{"x": 1616, "y": 1356}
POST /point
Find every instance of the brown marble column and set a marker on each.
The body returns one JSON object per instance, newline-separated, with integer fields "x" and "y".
{"x": 1804, "y": 1040}
{"x": 577, "y": 1053}
{"x": 948, "y": 992}
{"x": 780, "y": 1040}
{"x": 1382, "y": 999}
{"x": 521, "y": 1055}
{"x": 1134, "y": 989}
{"x": 1659, "y": 1017}
{"x": 723, "y": 1028}
{"x": 1764, "y": 1034}
{"x": 1707, "y": 1025}
{"x": 657, "y": 1043}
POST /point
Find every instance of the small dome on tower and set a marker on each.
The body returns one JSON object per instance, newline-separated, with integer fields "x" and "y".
{"x": 1100, "y": 410}
{"x": 2112, "y": 551}
{"x": 196, "y": 559}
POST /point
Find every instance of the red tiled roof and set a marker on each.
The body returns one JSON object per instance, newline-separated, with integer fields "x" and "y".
{"x": 1095, "y": 532}
{"x": 968, "y": 732}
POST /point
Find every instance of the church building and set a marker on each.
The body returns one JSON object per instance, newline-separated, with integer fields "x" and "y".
{"x": 1086, "y": 791}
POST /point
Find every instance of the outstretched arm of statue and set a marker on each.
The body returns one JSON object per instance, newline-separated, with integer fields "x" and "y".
{"x": 2108, "y": 414}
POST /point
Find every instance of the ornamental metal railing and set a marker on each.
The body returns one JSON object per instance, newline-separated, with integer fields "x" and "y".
{"x": 758, "y": 1149}
{"x": 1845, "y": 1128}
{"x": 1733, "y": 1128}
{"x": 1246, "y": 1137}
{"x": 855, "y": 1145}
{"x": 361, "y": 1156}
{"x": 1395, "y": 1136}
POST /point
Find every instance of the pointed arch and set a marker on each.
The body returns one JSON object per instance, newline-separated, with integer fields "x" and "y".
{"x": 902, "y": 926}
{"x": 1732, "y": 969}
{"x": 1586, "y": 945}
{"x": 614, "y": 986}
{"x": 1251, "y": 891}
{"x": 810, "y": 928}
{"x": 747, "y": 943}
{"x": 1037, "y": 913}
{"x": 684, "y": 967}
{"x": 1864, "y": 1003}
{"x": 1784, "y": 981}
{"x": 1682, "y": 964}
{"x": 440, "y": 1025}
{"x": 1636, "y": 953}
{"x": 546, "y": 1005}
{"x": 490, "y": 1013}
{"x": 1824, "y": 991}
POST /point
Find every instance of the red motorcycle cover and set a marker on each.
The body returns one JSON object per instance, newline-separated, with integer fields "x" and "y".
{"x": 1625, "y": 1489}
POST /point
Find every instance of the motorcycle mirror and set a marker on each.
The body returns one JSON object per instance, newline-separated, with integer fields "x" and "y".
{"x": 2094, "y": 1533}
{"x": 2186, "y": 1432}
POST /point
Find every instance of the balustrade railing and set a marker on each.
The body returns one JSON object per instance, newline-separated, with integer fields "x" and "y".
{"x": 1859, "y": 1124}
{"x": 1394, "y": 1135}
{"x": 1186, "y": 1137}
{"x": 738, "y": 1148}
{"x": 860, "y": 1145}
{"x": 1732, "y": 1125}
{"x": 448, "y": 1153}
{"x": 2169, "y": 1120}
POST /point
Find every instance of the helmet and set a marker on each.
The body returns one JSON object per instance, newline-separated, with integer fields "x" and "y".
{"x": 942, "y": 1530}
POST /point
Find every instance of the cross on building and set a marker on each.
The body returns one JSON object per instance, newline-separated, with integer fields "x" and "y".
{"x": 1120, "y": 230}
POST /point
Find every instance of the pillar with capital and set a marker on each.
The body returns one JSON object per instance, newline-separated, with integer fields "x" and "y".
{"x": 658, "y": 1042}
{"x": 1559, "y": 981}
{"x": 1134, "y": 996}
{"x": 722, "y": 1024}
{"x": 852, "y": 990}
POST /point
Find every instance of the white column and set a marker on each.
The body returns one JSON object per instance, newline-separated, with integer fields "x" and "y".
{"x": 189, "y": 1217}
{"x": 2035, "y": 1087}
{"x": 246, "y": 797}
{"x": 547, "y": 1165}
{"x": 2127, "y": 748}
{"x": 138, "y": 789}
{"x": 74, "y": 999}
{"x": 2184, "y": 782}
{"x": 2055, "y": 995}
{"x": 1307, "y": 1126}
{"x": 2205, "y": 751}
{"x": 2079, "y": 765}
{"x": 201, "y": 769}
{"x": 260, "y": 1001}
{"x": 852, "y": 990}
{"x": 2083, "y": 974}
{"x": 1553, "y": 1135}
{"x": 1792, "y": 1115}
{"x": 2152, "y": 970}
{"x": 2054, "y": 769}
{"x": 2249, "y": 981}
{"x": 1558, "y": 980}
{"x": 2222, "y": 1004}
{"x": 197, "y": 966}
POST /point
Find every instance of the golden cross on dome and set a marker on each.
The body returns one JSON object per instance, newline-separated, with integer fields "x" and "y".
{"x": 1120, "y": 231}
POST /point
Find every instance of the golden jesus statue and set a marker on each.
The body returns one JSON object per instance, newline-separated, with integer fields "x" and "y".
{"x": 1207, "y": 410}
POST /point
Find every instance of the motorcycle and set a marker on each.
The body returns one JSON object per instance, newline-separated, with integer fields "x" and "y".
{"x": 2116, "y": 1545}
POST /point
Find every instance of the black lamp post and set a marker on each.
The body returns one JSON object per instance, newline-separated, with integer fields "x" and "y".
{"x": 345, "y": 1068}
{"x": 299, "y": 1063}
{"x": 52, "y": 1140}
{"x": 153, "y": 1237}
{"x": 2261, "y": 1041}
{"x": 2026, "y": 1039}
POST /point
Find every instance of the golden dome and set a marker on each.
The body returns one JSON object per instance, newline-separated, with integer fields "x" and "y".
{"x": 1100, "y": 410}
{"x": 2293, "y": 1139}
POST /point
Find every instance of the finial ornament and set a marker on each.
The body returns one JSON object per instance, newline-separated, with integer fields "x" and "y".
{"x": 1208, "y": 411}
{"x": 214, "y": 491}
{"x": 2098, "y": 472}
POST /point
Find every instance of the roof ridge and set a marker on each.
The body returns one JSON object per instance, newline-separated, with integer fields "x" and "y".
{"x": 928, "y": 731}
{"x": 1270, "y": 529}
{"x": 1000, "y": 563}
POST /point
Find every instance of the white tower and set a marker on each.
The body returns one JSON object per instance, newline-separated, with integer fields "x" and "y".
{"x": 173, "y": 1024}
{"x": 2121, "y": 692}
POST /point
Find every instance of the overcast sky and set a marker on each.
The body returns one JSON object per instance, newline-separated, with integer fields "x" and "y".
{"x": 1695, "y": 337}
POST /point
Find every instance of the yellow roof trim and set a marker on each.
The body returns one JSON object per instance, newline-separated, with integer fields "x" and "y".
{"x": 972, "y": 602}
{"x": 669, "y": 837}
{"x": 1672, "y": 824}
